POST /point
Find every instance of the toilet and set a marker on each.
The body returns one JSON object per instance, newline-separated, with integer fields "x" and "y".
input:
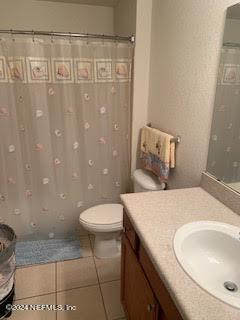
{"x": 144, "y": 181}
{"x": 105, "y": 220}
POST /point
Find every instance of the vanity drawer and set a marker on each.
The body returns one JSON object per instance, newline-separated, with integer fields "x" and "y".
{"x": 164, "y": 299}
{"x": 130, "y": 232}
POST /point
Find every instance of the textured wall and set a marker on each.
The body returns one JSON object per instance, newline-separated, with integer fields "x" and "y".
{"x": 43, "y": 15}
{"x": 141, "y": 73}
{"x": 125, "y": 17}
{"x": 186, "y": 37}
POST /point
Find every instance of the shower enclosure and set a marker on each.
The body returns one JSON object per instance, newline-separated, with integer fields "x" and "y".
{"x": 65, "y": 108}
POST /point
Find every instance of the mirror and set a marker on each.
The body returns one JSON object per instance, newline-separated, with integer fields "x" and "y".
{"x": 224, "y": 147}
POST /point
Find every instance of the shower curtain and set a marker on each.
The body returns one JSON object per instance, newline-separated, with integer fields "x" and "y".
{"x": 223, "y": 156}
{"x": 64, "y": 130}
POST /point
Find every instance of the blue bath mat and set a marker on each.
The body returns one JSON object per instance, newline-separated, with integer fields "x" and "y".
{"x": 46, "y": 251}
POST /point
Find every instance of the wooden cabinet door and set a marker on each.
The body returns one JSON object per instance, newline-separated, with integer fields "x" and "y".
{"x": 161, "y": 293}
{"x": 136, "y": 294}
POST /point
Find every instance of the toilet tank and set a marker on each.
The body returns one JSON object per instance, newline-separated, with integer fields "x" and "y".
{"x": 144, "y": 181}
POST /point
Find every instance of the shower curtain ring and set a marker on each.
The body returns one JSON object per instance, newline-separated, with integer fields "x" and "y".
{"x": 87, "y": 38}
{"x": 33, "y": 34}
{"x": 52, "y": 40}
{"x": 70, "y": 37}
{"x": 103, "y": 39}
{"x": 11, "y": 31}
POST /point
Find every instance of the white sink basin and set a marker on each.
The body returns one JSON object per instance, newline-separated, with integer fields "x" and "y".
{"x": 209, "y": 252}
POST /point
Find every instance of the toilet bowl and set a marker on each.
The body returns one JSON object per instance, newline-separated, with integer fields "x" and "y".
{"x": 105, "y": 222}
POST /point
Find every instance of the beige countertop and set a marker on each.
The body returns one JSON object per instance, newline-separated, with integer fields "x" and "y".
{"x": 156, "y": 216}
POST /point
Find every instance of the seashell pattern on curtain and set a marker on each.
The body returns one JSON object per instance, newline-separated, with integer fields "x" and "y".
{"x": 64, "y": 130}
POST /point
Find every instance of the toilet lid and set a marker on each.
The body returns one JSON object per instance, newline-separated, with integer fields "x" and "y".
{"x": 103, "y": 214}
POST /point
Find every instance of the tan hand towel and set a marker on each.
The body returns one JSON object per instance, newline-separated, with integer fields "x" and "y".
{"x": 172, "y": 155}
{"x": 158, "y": 143}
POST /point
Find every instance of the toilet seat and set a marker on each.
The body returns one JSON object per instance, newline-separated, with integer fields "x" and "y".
{"x": 104, "y": 217}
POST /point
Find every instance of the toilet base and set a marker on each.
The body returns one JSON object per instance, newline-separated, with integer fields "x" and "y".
{"x": 107, "y": 245}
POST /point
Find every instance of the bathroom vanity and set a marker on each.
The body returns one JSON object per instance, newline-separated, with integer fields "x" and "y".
{"x": 143, "y": 293}
{"x": 153, "y": 283}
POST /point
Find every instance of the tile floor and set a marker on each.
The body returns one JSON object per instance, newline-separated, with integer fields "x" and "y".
{"x": 92, "y": 285}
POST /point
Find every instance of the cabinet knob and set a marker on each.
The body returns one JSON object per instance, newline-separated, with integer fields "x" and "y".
{"x": 150, "y": 307}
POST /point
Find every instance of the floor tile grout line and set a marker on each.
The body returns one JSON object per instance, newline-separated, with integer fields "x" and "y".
{"x": 52, "y": 292}
{"x": 109, "y": 281}
{"x": 39, "y": 295}
{"x": 99, "y": 285}
{"x": 101, "y": 291}
{"x": 55, "y": 277}
{"x": 86, "y": 286}
{"x": 56, "y": 287}
{"x": 68, "y": 289}
{"x": 104, "y": 306}
{"x": 75, "y": 288}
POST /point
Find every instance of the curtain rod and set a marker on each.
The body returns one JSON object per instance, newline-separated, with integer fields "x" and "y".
{"x": 69, "y": 34}
{"x": 231, "y": 44}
